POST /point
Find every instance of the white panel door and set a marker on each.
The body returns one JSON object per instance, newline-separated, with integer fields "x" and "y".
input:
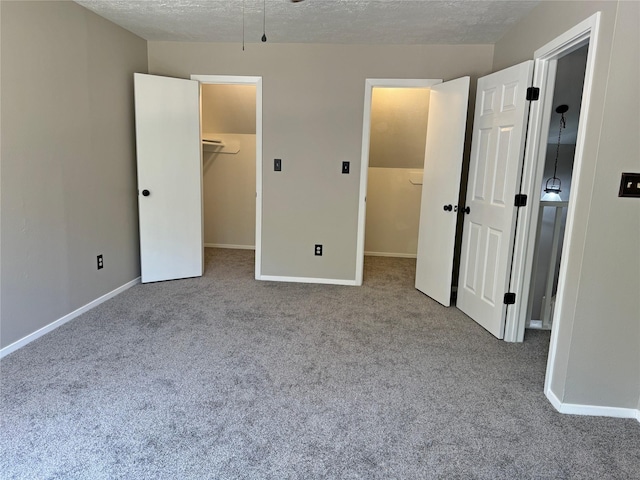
{"x": 169, "y": 158}
{"x": 497, "y": 149}
{"x": 440, "y": 188}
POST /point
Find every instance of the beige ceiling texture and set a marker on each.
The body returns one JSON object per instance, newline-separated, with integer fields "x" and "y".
{"x": 316, "y": 21}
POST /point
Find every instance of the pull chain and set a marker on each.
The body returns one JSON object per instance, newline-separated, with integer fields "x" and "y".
{"x": 264, "y": 20}
{"x": 563, "y": 124}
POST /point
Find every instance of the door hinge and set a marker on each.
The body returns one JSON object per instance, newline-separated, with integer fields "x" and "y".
{"x": 509, "y": 298}
{"x": 521, "y": 200}
{"x": 533, "y": 94}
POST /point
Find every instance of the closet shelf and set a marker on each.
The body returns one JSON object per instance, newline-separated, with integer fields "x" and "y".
{"x": 211, "y": 145}
{"x": 214, "y": 144}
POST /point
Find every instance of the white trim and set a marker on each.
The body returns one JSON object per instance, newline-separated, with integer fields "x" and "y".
{"x": 230, "y": 246}
{"x": 324, "y": 281}
{"x": 390, "y": 254}
{"x": 257, "y": 81}
{"x": 70, "y": 316}
{"x": 544, "y": 76}
{"x": 370, "y": 83}
{"x": 591, "y": 410}
{"x": 555, "y": 401}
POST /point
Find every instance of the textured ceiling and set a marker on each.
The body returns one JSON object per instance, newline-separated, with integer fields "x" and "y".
{"x": 317, "y": 21}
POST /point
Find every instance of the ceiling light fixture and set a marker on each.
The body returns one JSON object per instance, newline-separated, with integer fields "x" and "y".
{"x": 553, "y": 186}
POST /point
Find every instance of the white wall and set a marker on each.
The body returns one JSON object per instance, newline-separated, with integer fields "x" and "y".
{"x": 313, "y": 99}
{"x": 68, "y": 161}
{"x": 598, "y": 355}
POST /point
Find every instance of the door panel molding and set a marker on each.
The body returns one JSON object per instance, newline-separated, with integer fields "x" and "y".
{"x": 497, "y": 150}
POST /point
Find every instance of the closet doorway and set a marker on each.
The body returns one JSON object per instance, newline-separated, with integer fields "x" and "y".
{"x": 231, "y": 130}
{"x": 442, "y": 164}
{"x": 398, "y": 133}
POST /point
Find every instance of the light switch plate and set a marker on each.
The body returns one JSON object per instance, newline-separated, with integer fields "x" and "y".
{"x": 630, "y": 185}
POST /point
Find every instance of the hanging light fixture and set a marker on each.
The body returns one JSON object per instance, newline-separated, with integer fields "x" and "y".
{"x": 264, "y": 20}
{"x": 553, "y": 186}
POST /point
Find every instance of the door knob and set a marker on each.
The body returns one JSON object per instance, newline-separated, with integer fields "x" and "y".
{"x": 146, "y": 193}
{"x": 466, "y": 210}
{"x": 448, "y": 208}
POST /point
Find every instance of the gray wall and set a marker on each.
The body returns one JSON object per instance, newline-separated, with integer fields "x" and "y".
{"x": 313, "y": 99}
{"x": 68, "y": 161}
{"x": 598, "y": 356}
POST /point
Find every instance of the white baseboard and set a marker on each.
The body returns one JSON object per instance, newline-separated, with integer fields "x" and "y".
{"x": 592, "y": 410}
{"x": 324, "y": 281}
{"x": 390, "y": 254}
{"x": 61, "y": 321}
{"x": 226, "y": 245}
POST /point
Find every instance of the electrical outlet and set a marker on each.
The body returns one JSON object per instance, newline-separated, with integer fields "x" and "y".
{"x": 277, "y": 164}
{"x": 345, "y": 167}
{"x": 318, "y": 250}
{"x": 100, "y": 262}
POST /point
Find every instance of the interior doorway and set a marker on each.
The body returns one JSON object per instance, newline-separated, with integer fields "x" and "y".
{"x": 442, "y": 166}
{"x": 397, "y": 139}
{"x": 231, "y": 130}
{"x": 543, "y": 129}
{"x": 228, "y": 122}
{"x": 385, "y": 148}
{"x": 555, "y": 190}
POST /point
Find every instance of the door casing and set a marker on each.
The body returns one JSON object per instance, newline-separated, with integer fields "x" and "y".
{"x": 257, "y": 82}
{"x": 544, "y": 77}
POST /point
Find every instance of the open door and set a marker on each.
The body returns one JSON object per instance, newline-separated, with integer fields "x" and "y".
{"x": 440, "y": 188}
{"x": 495, "y": 170}
{"x": 169, "y": 159}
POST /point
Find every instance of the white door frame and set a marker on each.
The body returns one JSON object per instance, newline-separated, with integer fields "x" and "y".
{"x": 544, "y": 77}
{"x": 257, "y": 82}
{"x": 370, "y": 83}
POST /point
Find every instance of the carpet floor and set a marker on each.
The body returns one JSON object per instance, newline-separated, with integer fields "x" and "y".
{"x": 225, "y": 377}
